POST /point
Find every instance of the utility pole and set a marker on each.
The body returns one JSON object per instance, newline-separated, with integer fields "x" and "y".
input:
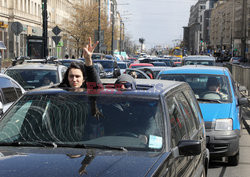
{"x": 243, "y": 39}
{"x": 120, "y": 45}
{"x": 45, "y": 28}
{"x": 99, "y": 25}
{"x": 113, "y": 26}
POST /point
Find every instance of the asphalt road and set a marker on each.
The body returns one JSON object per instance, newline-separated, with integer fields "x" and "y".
{"x": 220, "y": 168}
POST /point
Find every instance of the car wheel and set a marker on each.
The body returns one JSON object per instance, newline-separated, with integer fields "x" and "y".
{"x": 234, "y": 160}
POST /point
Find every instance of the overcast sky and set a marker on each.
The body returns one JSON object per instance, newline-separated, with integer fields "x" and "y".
{"x": 159, "y": 22}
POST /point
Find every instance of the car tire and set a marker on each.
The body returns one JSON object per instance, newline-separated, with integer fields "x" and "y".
{"x": 234, "y": 160}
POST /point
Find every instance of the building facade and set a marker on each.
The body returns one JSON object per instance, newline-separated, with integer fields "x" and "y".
{"x": 29, "y": 14}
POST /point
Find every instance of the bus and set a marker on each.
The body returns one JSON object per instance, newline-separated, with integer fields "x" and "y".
{"x": 177, "y": 52}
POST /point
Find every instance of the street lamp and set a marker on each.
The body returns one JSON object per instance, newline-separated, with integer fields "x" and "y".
{"x": 120, "y": 37}
{"x": 99, "y": 26}
{"x": 45, "y": 28}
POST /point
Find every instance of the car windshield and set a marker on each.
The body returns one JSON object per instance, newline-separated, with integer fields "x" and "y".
{"x": 106, "y": 64}
{"x": 66, "y": 119}
{"x": 200, "y": 83}
{"x": 30, "y": 79}
{"x": 122, "y": 65}
{"x": 199, "y": 62}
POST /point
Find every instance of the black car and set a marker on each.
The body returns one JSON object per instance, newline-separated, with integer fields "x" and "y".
{"x": 110, "y": 67}
{"x": 155, "y": 130}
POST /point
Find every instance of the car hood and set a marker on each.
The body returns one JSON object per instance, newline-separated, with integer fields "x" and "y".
{"x": 74, "y": 162}
{"x": 211, "y": 111}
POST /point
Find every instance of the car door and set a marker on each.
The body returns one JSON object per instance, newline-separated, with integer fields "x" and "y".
{"x": 192, "y": 128}
{"x": 183, "y": 165}
{"x": 8, "y": 91}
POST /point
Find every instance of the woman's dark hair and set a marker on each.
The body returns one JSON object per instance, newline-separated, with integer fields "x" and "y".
{"x": 74, "y": 65}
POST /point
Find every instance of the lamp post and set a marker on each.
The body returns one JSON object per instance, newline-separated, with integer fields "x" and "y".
{"x": 45, "y": 28}
{"x": 99, "y": 26}
{"x": 113, "y": 26}
{"x": 120, "y": 45}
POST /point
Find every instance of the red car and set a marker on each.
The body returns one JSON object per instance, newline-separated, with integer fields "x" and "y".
{"x": 138, "y": 65}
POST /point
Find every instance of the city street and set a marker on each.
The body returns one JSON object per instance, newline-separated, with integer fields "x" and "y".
{"x": 220, "y": 169}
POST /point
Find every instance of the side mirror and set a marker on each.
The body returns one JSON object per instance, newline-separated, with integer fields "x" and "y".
{"x": 243, "y": 101}
{"x": 189, "y": 147}
{"x": 1, "y": 108}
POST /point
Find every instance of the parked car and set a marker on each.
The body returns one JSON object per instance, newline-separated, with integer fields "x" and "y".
{"x": 100, "y": 70}
{"x": 153, "y": 70}
{"x": 221, "y": 108}
{"x": 199, "y": 60}
{"x": 237, "y": 60}
{"x": 10, "y": 91}
{"x": 158, "y": 63}
{"x": 154, "y": 130}
{"x": 137, "y": 74}
{"x": 110, "y": 67}
{"x": 32, "y": 75}
{"x": 167, "y": 61}
{"x": 67, "y": 62}
{"x": 98, "y": 56}
{"x": 123, "y": 66}
{"x": 138, "y": 65}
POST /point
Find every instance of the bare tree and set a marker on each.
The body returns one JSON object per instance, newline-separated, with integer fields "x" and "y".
{"x": 82, "y": 24}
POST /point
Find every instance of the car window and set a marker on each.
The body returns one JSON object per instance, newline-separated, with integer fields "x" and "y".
{"x": 178, "y": 130}
{"x": 18, "y": 89}
{"x": 30, "y": 79}
{"x": 8, "y": 90}
{"x": 187, "y": 113}
{"x": 200, "y": 82}
{"x": 195, "y": 107}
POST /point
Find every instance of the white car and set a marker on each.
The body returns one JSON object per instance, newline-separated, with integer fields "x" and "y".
{"x": 10, "y": 91}
{"x": 33, "y": 75}
{"x": 123, "y": 66}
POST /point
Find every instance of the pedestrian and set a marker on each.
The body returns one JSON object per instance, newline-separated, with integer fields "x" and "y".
{"x": 66, "y": 56}
{"x": 73, "y": 57}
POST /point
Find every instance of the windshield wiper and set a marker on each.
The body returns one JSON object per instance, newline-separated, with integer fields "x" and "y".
{"x": 87, "y": 146}
{"x": 208, "y": 100}
{"x": 33, "y": 144}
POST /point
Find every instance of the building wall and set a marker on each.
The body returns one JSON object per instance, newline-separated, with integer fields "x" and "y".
{"x": 29, "y": 14}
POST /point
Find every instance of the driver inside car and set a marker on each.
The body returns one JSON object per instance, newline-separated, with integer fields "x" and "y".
{"x": 213, "y": 85}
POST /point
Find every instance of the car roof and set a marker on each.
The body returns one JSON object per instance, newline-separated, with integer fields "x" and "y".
{"x": 196, "y": 69}
{"x": 199, "y": 57}
{"x": 145, "y": 88}
{"x": 156, "y": 68}
{"x": 34, "y": 66}
{"x": 141, "y": 64}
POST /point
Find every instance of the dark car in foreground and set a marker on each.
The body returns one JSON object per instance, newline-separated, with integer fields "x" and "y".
{"x": 155, "y": 130}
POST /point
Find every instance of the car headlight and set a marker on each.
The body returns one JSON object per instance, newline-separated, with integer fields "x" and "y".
{"x": 223, "y": 124}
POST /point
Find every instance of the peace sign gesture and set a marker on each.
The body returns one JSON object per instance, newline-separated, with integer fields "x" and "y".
{"x": 88, "y": 51}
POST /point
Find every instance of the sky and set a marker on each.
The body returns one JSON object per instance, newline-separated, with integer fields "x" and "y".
{"x": 159, "y": 22}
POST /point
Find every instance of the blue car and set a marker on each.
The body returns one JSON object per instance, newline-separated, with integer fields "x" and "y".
{"x": 220, "y": 107}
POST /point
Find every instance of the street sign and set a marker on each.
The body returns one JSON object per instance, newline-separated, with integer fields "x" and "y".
{"x": 56, "y": 30}
{"x": 56, "y": 39}
{"x": 16, "y": 28}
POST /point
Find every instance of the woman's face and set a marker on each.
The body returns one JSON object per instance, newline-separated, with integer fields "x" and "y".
{"x": 75, "y": 78}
